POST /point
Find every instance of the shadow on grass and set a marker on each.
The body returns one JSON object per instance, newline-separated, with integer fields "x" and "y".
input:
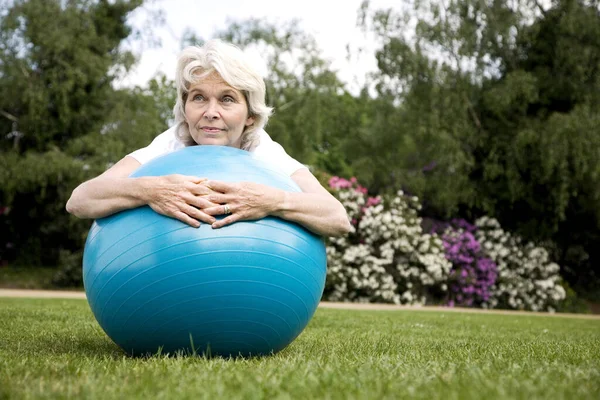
{"x": 197, "y": 353}
{"x": 98, "y": 347}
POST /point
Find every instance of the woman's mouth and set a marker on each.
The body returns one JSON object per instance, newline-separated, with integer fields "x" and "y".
{"x": 211, "y": 129}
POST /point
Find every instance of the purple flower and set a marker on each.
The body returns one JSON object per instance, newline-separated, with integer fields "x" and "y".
{"x": 472, "y": 275}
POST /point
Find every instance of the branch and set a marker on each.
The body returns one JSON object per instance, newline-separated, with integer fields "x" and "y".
{"x": 9, "y": 116}
{"x": 472, "y": 112}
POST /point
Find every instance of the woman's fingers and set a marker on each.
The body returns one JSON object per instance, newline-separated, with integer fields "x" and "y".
{"x": 226, "y": 221}
{"x": 219, "y": 186}
{"x": 217, "y": 210}
{"x": 218, "y": 198}
{"x": 183, "y": 217}
{"x": 192, "y": 216}
{"x": 200, "y": 202}
{"x": 201, "y": 189}
{"x": 194, "y": 179}
{"x": 197, "y": 214}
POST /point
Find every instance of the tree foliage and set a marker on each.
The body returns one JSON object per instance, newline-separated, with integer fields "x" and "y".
{"x": 62, "y": 121}
{"x": 314, "y": 114}
{"x": 479, "y": 107}
{"x": 62, "y": 58}
{"x": 502, "y": 99}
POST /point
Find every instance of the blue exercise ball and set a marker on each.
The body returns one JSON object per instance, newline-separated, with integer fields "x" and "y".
{"x": 157, "y": 285}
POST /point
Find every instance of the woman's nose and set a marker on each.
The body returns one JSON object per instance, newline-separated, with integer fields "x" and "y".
{"x": 212, "y": 111}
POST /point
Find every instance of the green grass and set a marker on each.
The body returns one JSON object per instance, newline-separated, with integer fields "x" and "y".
{"x": 55, "y": 349}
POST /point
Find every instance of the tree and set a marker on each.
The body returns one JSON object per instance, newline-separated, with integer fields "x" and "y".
{"x": 58, "y": 116}
{"x": 550, "y": 113}
{"x": 314, "y": 114}
{"x": 501, "y": 105}
{"x": 62, "y": 58}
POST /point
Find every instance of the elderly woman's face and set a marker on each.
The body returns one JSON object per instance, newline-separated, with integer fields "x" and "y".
{"x": 216, "y": 113}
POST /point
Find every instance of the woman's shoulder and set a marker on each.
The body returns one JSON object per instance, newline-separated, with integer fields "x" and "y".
{"x": 264, "y": 143}
{"x": 162, "y": 144}
{"x": 168, "y": 140}
{"x": 274, "y": 154}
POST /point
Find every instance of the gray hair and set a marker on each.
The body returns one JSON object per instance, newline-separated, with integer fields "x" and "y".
{"x": 198, "y": 62}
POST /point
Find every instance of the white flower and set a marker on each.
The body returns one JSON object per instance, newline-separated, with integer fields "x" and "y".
{"x": 525, "y": 275}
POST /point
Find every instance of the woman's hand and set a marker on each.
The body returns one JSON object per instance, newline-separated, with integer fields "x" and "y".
{"x": 314, "y": 208}
{"x": 243, "y": 200}
{"x": 182, "y": 197}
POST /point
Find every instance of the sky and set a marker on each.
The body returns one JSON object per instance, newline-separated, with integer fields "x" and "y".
{"x": 331, "y": 22}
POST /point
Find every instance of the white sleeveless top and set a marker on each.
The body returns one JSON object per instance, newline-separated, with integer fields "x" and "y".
{"x": 267, "y": 150}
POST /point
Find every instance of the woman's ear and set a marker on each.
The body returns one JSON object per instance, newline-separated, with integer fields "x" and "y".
{"x": 250, "y": 121}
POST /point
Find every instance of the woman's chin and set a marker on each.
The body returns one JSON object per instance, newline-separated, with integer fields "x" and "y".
{"x": 212, "y": 142}
{"x": 217, "y": 142}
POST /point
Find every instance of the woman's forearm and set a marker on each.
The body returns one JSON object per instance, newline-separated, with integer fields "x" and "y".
{"x": 320, "y": 213}
{"x": 103, "y": 196}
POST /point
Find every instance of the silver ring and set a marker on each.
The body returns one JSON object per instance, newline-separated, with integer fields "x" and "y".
{"x": 226, "y": 209}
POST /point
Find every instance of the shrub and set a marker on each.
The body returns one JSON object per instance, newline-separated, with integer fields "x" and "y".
{"x": 387, "y": 258}
{"x": 473, "y": 274}
{"x": 69, "y": 273}
{"x": 572, "y": 303}
{"x": 527, "y": 280}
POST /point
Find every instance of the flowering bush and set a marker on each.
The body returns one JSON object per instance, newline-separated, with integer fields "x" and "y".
{"x": 526, "y": 278}
{"x": 387, "y": 258}
{"x": 473, "y": 274}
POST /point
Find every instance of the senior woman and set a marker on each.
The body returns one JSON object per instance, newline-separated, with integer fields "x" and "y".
{"x": 220, "y": 101}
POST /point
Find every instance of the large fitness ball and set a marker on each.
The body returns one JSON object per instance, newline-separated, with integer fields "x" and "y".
{"x": 158, "y": 285}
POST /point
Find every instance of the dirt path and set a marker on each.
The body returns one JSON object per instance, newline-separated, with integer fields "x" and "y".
{"x": 63, "y": 294}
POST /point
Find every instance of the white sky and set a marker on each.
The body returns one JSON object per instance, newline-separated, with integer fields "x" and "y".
{"x": 331, "y": 22}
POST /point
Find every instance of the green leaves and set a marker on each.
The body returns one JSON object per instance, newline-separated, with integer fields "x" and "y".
{"x": 314, "y": 115}
{"x": 504, "y": 97}
{"x": 57, "y": 63}
{"x": 61, "y": 120}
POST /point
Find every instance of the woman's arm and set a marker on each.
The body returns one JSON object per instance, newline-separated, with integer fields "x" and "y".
{"x": 176, "y": 196}
{"x": 314, "y": 208}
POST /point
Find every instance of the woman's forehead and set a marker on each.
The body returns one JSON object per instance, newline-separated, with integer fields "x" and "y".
{"x": 211, "y": 79}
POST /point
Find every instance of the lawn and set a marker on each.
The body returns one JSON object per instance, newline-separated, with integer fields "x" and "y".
{"x": 55, "y": 349}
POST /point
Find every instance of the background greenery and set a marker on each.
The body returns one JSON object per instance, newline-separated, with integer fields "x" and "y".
{"x": 479, "y": 107}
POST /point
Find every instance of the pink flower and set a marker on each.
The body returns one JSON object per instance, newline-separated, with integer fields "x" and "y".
{"x": 361, "y": 189}
{"x": 339, "y": 183}
{"x": 373, "y": 201}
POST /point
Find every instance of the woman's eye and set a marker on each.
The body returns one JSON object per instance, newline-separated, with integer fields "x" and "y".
{"x": 198, "y": 97}
{"x": 228, "y": 99}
